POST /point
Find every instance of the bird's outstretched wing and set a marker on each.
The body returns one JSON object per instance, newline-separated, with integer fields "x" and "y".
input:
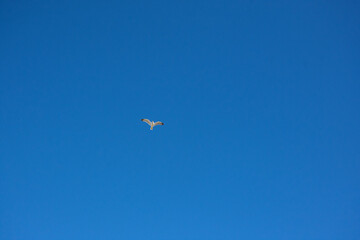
{"x": 158, "y": 123}
{"x": 147, "y": 121}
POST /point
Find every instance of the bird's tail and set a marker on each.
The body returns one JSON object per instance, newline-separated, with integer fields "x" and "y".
{"x": 151, "y": 128}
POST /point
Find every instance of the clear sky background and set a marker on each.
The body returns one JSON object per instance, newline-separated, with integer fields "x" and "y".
{"x": 260, "y": 101}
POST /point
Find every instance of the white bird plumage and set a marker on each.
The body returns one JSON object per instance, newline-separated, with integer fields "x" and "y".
{"x": 152, "y": 123}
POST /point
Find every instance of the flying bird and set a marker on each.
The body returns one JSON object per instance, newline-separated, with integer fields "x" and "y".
{"x": 152, "y": 124}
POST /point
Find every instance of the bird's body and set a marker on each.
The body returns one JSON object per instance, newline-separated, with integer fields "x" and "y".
{"x": 152, "y": 123}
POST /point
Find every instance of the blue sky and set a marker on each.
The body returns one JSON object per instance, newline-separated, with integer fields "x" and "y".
{"x": 260, "y": 101}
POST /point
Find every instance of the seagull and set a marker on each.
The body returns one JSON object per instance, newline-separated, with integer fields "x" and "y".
{"x": 152, "y": 124}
